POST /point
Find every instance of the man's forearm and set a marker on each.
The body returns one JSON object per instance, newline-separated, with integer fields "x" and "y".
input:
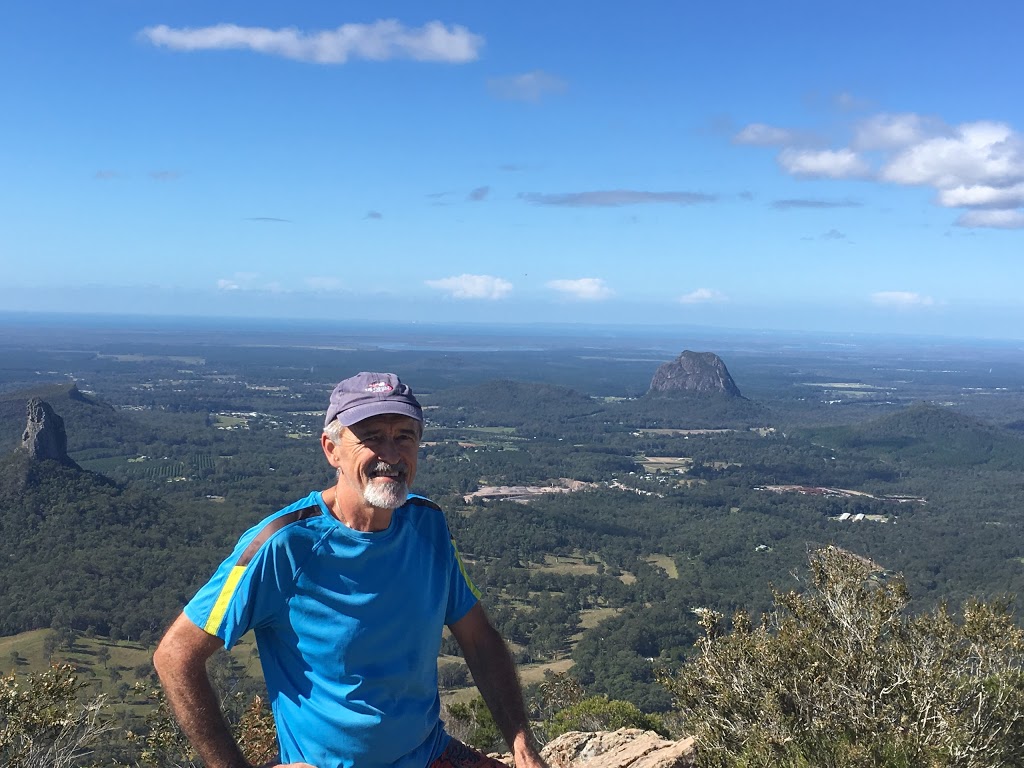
{"x": 495, "y": 676}
{"x": 198, "y": 712}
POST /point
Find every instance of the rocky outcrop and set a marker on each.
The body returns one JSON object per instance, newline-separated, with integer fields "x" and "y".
{"x": 702, "y": 372}
{"x": 624, "y": 748}
{"x": 44, "y": 436}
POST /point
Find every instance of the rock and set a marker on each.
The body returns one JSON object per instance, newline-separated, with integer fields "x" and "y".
{"x": 702, "y": 372}
{"x": 44, "y": 436}
{"x": 624, "y": 748}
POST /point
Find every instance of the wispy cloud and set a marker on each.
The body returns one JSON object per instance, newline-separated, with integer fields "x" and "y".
{"x": 164, "y": 175}
{"x": 511, "y": 167}
{"x": 761, "y": 135}
{"x": 833, "y": 234}
{"x": 785, "y": 205}
{"x": 530, "y": 86}
{"x": 374, "y": 215}
{"x": 848, "y": 102}
{"x": 901, "y": 299}
{"x": 380, "y": 41}
{"x": 583, "y": 289}
{"x": 614, "y": 198}
{"x": 479, "y": 194}
{"x": 472, "y": 286}
{"x": 1006, "y": 219}
{"x": 823, "y": 163}
{"x": 269, "y": 219}
{"x": 106, "y": 175}
{"x": 247, "y": 281}
{"x": 702, "y": 296}
{"x": 892, "y": 131}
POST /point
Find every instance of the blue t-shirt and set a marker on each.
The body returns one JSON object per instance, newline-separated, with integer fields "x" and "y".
{"x": 348, "y": 625}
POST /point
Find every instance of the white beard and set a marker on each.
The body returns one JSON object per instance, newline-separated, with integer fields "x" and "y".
{"x": 385, "y": 495}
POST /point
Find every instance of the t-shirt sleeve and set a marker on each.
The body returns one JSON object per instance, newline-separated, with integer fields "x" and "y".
{"x": 462, "y": 593}
{"x": 248, "y": 589}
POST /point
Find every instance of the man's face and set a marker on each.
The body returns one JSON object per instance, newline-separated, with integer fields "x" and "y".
{"x": 376, "y": 459}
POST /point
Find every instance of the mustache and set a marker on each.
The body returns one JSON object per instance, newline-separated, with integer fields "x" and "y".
{"x": 383, "y": 468}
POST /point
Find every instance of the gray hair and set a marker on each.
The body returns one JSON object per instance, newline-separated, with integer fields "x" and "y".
{"x": 333, "y": 431}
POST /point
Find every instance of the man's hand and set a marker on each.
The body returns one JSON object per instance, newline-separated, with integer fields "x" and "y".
{"x": 525, "y": 753}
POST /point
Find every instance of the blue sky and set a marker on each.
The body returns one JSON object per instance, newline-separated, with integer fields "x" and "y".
{"x": 776, "y": 165}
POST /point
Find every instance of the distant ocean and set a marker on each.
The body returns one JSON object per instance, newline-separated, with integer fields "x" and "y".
{"x": 659, "y": 340}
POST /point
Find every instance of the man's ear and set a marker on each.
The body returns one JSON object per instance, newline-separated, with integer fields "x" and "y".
{"x": 330, "y": 449}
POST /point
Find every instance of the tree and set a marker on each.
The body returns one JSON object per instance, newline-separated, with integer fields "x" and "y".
{"x": 840, "y": 675}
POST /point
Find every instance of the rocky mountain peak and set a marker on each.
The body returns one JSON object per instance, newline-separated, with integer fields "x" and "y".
{"x": 44, "y": 436}
{"x": 702, "y": 372}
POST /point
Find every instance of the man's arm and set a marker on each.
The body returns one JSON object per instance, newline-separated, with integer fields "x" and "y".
{"x": 495, "y": 676}
{"x": 180, "y": 661}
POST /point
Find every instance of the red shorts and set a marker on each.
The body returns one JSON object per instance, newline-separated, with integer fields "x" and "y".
{"x": 458, "y": 755}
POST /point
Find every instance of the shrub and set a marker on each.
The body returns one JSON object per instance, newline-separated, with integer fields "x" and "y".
{"x": 43, "y": 721}
{"x": 599, "y": 713}
{"x": 840, "y": 676}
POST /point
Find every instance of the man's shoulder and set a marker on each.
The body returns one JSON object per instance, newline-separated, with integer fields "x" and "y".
{"x": 422, "y": 502}
{"x": 300, "y": 521}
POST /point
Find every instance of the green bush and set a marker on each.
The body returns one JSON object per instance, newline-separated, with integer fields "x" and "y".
{"x": 840, "y": 676}
{"x": 599, "y": 713}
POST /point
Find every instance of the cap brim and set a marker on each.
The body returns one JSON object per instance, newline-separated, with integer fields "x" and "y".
{"x": 361, "y": 412}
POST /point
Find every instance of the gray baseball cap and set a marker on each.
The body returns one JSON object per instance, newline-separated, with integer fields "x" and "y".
{"x": 371, "y": 394}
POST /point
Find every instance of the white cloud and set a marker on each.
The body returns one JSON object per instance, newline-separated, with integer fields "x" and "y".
{"x": 761, "y": 135}
{"x": 889, "y": 131}
{"x": 702, "y": 296}
{"x": 823, "y": 163}
{"x": 584, "y": 289}
{"x": 380, "y": 41}
{"x": 530, "y": 86}
{"x": 228, "y": 285}
{"x": 994, "y": 219}
{"x": 904, "y": 299}
{"x": 983, "y": 153}
{"x": 975, "y": 165}
{"x": 983, "y": 196}
{"x": 473, "y": 286}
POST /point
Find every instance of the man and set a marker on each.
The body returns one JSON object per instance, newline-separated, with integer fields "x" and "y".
{"x": 347, "y": 592}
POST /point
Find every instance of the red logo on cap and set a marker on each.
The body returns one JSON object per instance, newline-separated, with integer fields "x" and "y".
{"x": 379, "y": 386}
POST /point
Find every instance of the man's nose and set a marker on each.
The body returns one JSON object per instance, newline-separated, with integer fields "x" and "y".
{"x": 388, "y": 451}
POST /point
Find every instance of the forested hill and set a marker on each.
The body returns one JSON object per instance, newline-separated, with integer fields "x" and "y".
{"x": 543, "y": 408}
{"x": 931, "y": 436}
{"x": 78, "y": 550}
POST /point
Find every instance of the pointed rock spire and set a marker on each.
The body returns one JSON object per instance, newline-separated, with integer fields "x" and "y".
{"x": 44, "y": 436}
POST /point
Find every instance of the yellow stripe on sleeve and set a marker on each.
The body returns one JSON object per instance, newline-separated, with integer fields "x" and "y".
{"x": 462, "y": 569}
{"x": 223, "y": 599}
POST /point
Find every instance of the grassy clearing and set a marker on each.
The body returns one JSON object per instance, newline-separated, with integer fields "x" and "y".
{"x": 666, "y": 564}
{"x": 572, "y": 564}
{"x": 591, "y": 617}
{"x": 665, "y": 463}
